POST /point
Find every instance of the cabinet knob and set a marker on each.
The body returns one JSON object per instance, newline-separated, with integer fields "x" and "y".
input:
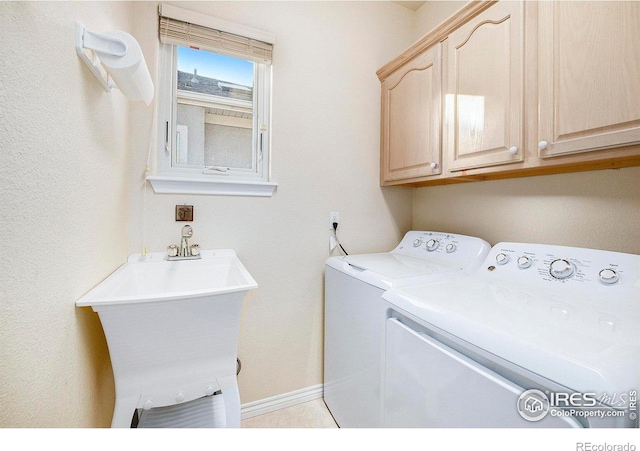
{"x": 542, "y": 145}
{"x": 434, "y": 165}
{"x": 513, "y": 150}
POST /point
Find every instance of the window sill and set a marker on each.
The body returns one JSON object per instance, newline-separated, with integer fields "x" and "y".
{"x": 190, "y": 185}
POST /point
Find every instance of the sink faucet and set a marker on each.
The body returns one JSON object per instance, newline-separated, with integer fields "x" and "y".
{"x": 187, "y": 232}
{"x": 184, "y": 251}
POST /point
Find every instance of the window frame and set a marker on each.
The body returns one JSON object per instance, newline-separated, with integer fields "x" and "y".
{"x": 234, "y": 181}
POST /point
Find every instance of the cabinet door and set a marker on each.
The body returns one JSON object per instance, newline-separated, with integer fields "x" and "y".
{"x": 589, "y": 76}
{"x": 484, "y": 87}
{"x": 411, "y": 99}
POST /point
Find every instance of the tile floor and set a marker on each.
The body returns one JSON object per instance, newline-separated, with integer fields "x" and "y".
{"x": 312, "y": 414}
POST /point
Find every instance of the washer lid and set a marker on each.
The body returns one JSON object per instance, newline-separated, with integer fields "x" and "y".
{"x": 587, "y": 345}
{"x": 397, "y": 266}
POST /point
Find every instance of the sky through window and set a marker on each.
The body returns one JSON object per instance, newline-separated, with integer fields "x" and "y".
{"x": 213, "y": 65}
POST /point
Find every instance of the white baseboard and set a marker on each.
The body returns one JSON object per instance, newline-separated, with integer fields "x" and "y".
{"x": 262, "y": 406}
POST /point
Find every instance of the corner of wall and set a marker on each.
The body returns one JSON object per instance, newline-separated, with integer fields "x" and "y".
{"x": 432, "y": 13}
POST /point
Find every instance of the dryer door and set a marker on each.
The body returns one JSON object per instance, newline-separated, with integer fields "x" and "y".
{"x": 428, "y": 384}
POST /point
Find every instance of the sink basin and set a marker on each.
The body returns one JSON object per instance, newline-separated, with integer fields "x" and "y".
{"x": 172, "y": 331}
{"x": 153, "y": 278}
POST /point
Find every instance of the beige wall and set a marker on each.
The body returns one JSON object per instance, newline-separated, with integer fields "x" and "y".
{"x": 432, "y": 13}
{"x": 598, "y": 209}
{"x": 64, "y": 196}
{"x": 325, "y": 157}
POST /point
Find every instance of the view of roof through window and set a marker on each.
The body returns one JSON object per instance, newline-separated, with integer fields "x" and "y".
{"x": 213, "y": 74}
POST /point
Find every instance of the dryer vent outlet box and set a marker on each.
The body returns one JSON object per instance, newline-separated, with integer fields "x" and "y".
{"x": 184, "y": 213}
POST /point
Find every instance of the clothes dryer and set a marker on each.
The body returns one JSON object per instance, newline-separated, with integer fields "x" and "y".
{"x": 539, "y": 335}
{"x": 355, "y": 315}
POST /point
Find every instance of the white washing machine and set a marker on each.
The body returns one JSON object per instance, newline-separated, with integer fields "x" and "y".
{"x": 538, "y": 336}
{"x": 355, "y": 314}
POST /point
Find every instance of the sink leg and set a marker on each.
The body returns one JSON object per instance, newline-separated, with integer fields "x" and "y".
{"x": 231, "y": 396}
{"x": 123, "y": 412}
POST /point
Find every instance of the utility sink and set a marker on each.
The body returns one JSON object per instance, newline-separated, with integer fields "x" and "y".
{"x": 172, "y": 330}
{"x": 152, "y": 278}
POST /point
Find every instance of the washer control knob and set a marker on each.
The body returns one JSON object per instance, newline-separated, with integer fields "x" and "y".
{"x": 502, "y": 259}
{"x": 451, "y": 248}
{"x": 417, "y": 242}
{"x": 432, "y": 245}
{"x": 561, "y": 268}
{"x": 524, "y": 262}
{"x": 608, "y": 276}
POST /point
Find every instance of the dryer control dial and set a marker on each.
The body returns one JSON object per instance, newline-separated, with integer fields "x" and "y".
{"x": 432, "y": 245}
{"x": 524, "y": 262}
{"x": 450, "y": 248}
{"x": 561, "y": 268}
{"x": 608, "y": 276}
{"x": 417, "y": 242}
{"x": 502, "y": 259}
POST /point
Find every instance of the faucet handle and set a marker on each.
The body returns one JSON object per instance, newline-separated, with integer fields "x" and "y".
{"x": 195, "y": 250}
{"x": 172, "y": 250}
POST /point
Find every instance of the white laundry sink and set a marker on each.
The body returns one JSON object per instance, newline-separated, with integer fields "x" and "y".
{"x": 153, "y": 278}
{"x": 172, "y": 331}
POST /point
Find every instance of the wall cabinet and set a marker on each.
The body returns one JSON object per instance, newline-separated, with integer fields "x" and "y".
{"x": 484, "y": 89}
{"x": 528, "y": 88}
{"x": 411, "y": 120}
{"x": 589, "y": 76}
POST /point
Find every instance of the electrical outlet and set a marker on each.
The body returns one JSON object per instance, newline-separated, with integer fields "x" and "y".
{"x": 334, "y": 216}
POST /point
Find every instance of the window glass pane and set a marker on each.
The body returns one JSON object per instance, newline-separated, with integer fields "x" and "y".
{"x": 214, "y": 122}
{"x": 228, "y": 146}
{"x": 190, "y": 134}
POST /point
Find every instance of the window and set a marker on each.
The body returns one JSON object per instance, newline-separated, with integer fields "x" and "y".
{"x": 215, "y": 112}
{"x": 214, "y": 105}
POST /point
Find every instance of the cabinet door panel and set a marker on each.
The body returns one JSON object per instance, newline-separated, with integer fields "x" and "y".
{"x": 484, "y": 89}
{"x": 589, "y": 75}
{"x": 411, "y": 119}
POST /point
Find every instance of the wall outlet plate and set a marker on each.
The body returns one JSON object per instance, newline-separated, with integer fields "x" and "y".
{"x": 184, "y": 212}
{"x": 334, "y": 216}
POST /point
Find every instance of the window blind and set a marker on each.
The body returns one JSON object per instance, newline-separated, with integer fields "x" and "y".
{"x": 189, "y": 29}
